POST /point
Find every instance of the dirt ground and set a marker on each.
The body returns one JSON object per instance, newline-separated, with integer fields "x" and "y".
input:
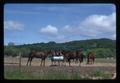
{"x": 36, "y": 62}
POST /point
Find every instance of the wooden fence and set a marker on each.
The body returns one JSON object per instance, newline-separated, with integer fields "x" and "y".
{"x": 12, "y": 61}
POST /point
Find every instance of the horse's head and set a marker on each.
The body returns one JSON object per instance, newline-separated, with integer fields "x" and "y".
{"x": 49, "y": 53}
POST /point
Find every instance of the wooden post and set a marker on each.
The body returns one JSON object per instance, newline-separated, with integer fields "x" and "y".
{"x": 20, "y": 61}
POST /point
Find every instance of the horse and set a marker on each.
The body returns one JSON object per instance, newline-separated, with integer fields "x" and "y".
{"x": 73, "y": 55}
{"x": 38, "y": 54}
{"x": 91, "y": 58}
{"x": 68, "y": 56}
{"x": 79, "y": 56}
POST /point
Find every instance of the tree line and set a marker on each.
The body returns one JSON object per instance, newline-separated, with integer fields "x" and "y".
{"x": 102, "y": 47}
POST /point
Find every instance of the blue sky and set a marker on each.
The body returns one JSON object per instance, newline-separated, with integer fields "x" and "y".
{"x": 35, "y": 23}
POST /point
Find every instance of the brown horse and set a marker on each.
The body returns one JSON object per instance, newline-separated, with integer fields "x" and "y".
{"x": 91, "y": 58}
{"x": 79, "y": 56}
{"x": 68, "y": 56}
{"x": 38, "y": 54}
{"x": 73, "y": 55}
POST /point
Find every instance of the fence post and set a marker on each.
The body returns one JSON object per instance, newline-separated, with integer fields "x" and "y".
{"x": 20, "y": 61}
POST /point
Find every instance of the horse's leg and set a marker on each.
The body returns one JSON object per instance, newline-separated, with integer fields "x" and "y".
{"x": 93, "y": 60}
{"x": 41, "y": 62}
{"x": 64, "y": 62}
{"x": 54, "y": 62}
{"x": 59, "y": 63}
{"x": 90, "y": 61}
{"x": 79, "y": 62}
{"x": 44, "y": 62}
{"x": 87, "y": 61}
{"x": 31, "y": 60}
{"x": 76, "y": 60}
{"x": 69, "y": 62}
{"x": 28, "y": 61}
{"x": 51, "y": 62}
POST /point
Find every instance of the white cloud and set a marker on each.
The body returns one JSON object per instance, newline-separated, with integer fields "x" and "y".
{"x": 13, "y": 25}
{"x": 67, "y": 29}
{"x": 52, "y": 33}
{"x": 94, "y": 26}
{"x": 49, "y": 30}
{"x": 100, "y": 21}
{"x": 99, "y": 26}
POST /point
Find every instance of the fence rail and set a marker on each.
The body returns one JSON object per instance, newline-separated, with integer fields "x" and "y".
{"x": 16, "y": 63}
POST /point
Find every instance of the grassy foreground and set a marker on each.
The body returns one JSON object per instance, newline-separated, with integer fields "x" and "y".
{"x": 54, "y": 75}
{"x": 42, "y": 76}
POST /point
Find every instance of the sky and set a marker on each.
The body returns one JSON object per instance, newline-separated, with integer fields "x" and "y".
{"x": 36, "y": 23}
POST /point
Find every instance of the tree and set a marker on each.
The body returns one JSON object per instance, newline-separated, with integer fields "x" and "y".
{"x": 11, "y": 44}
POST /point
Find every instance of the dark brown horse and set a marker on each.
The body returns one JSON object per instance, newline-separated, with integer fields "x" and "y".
{"x": 91, "y": 58}
{"x": 68, "y": 56}
{"x": 79, "y": 56}
{"x": 38, "y": 54}
{"x": 73, "y": 55}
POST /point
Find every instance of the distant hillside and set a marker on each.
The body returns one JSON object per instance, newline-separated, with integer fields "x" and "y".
{"x": 93, "y": 43}
{"x": 85, "y": 44}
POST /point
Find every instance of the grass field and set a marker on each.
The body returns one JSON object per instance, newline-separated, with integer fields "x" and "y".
{"x": 41, "y": 76}
{"x": 102, "y": 69}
